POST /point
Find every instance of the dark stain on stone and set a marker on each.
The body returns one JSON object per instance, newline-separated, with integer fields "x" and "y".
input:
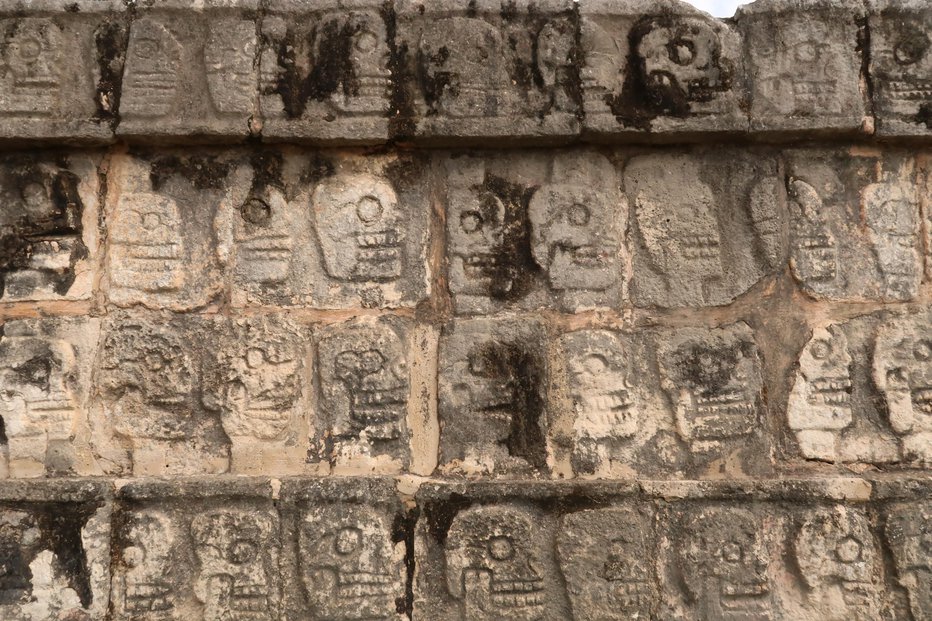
{"x": 266, "y": 171}
{"x": 401, "y": 124}
{"x": 403, "y": 531}
{"x": 435, "y": 84}
{"x": 564, "y": 93}
{"x": 440, "y": 514}
{"x": 318, "y": 168}
{"x": 206, "y": 172}
{"x": 3, "y": 438}
{"x": 924, "y": 116}
{"x": 110, "y": 40}
{"x": 406, "y": 170}
{"x": 709, "y": 369}
{"x": 61, "y": 525}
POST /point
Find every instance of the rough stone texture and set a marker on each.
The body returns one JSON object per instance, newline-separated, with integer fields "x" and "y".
{"x": 527, "y": 311}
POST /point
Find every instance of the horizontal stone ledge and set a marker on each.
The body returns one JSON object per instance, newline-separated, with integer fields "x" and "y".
{"x": 437, "y": 73}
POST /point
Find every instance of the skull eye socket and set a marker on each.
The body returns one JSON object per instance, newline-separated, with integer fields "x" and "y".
{"x": 134, "y": 556}
{"x": 595, "y": 364}
{"x": 369, "y": 209}
{"x": 922, "y": 350}
{"x": 146, "y": 48}
{"x": 807, "y": 52}
{"x": 910, "y": 51}
{"x": 849, "y": 550}
{"x": 242, "y": 551}
{"x": 501, "y": 548}
{"x": 372, "y": 360}
{"x": 821, "y": 349}
{"x": 255, "y": 358}
{"x": 681, "y": 51}
{"x": 29, "y": 49}
{"x": 256, "y": 211}
{"x": 347, "y": 541}
{"x": 471, "y": 221}
{"x": 732, "y": 552}
{"x": 579, "y": 215}
{"x": 366, "y": 41}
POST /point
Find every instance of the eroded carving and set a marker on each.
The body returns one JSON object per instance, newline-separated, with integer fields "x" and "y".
{"x": 901, "y": 63}
{"x": 151, "y": 82}
{"x": 909, "y": 534}
{"x": 892, "y": 214}
{"x": 146, "y": 584}
{"x": 229, "y": 55}
{"x": 32, "y": 64}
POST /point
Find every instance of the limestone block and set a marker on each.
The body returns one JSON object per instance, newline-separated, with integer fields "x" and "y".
{"x": 190, "y": 72}
{"x": 259, "y": 379}
{"x": 712, "y": 378}
{"x": 662, "y": 68}
{"x": 860, "y": 391}
{"x": 804, "y": 62}
{"x": 605, "y": 401}
{"x": 205, "y": 550}
{"x": 160, "y": 249}
{"x": 706, "y": 226}
{"x": 325, "y": 71}
{"x": 908, "y": 534}
{"x": 61, "y": 66}
{"x": 149, "y": 413}
{"x": 298, "y": 229}
{"x": 346, "y": 555}
{"x": 49, "y": 239}
{"x": 605, "y": 557}
{"x": 492, "y": 406}
{"x": 365, "y": 394}
{"x": 855, "y": 224}
{"x": 924, "y": 177}
{"x": 489, "y": 69}
{"x": 45, "y": 383}
{"x": 55, "y": 537}
{"x": 900, "y": 66}
{"x": 533, "y": 230}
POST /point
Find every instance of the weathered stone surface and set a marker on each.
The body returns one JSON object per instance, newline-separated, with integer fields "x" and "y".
{"x": 900, "y": 66}
{"x": 804, "y": 65}
{"x": 49, "y": 237}
{"x": 908, "y": 532}
{"x": 706, "y": 226}
{"x": 61, "y": 69}
{"x": 490, "y": 69}
{"x": 190, "y": 72}
{"x": 666, "y": 68}
{"x": 535, "y": 230}
{"x": 325, "y": 71}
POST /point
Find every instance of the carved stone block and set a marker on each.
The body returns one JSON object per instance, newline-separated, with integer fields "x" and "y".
{"x": 531, "y": 230}
{"x": 705, "y": 226}
{"x": 490, "y": 69}
{"x": 149, "y": 415}
{"x": 325, "y": 71}
{"x": 207, "y": 550}
{"x": 901, "y": 63}
{"x": 61, "y": 66}
{"x": 55, "y": 538}
{"x": 855, "y": 224}
{"x": 49, "y": 235}
{"x": 804, "y": 62}
{"x": 666, "y": 68}
{"x": 346, "y": 558}
{"x": 712, "y": 377}
{"x": 45, "y": 381}
{"x": 191, "y": 72}
{"x": 365, "y": 393}
{"x": 909, "y": 537}
{"x": 492, "y": 407}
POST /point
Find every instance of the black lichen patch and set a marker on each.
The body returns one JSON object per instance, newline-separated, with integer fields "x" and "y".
{"x": 266, "y": 171}
{"x": 709, "y": 369}
{"x": 440, "y": 514}
{"x": 924, "y": 116}
{"x": 204, "y": 172}
{"x": 435, "y": 83}
{"x": 317, "y": 169}
{"x": 401, "y": 123}
{"x": 110, "y": 40}
{"x": 403, "y": 531}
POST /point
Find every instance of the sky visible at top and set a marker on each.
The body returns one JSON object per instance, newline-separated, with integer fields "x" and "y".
{"x": 718, "y": 8}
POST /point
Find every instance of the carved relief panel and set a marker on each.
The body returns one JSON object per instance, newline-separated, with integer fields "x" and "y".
{"x": 190, "y": 72}
{"x": 48, "y": 226}
{"x": 492, "y": 407}
{"x": 209, "y": 555}
{"x": 832, "y": 255}
{"x": 729, "y": 229}
{"x": 901, "y": 63}
{"x": 45, "y": 369}
{"x": 325, "y": 72}
{"x": 909, "y": 537}
{"x": 533, "y": 231}
{"x": 364, "y": 386}
{"x": 61, "y": 70}
{"x": 676, "y": 71}
{"x": 149, "y": 415}
{"x": 506, "y": 71}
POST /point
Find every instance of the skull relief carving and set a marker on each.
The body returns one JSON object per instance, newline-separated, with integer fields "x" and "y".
{"x": 33, "y": 60}
{"x": 146, "y": 245}
{"x": 814, "y": 260}
{"x": 901, "y": 63}
{"x": 359, "y": 226}
{"x": 147, "y": 585}
{"x": 229, "y": 55}
{"x": 232, "y": 583}
{"x": 263, "y": 238}
{"x": 347, "y": 564}
{"x": 494, "y": 566}
{"x": 150, "y": 82}
{"x": 724, "y": 563}
{"x": 902, "y": 370}
{"x": 909, "y": 533}
{"x": 892, "y": 212}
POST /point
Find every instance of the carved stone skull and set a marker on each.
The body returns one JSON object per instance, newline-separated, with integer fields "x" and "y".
{"x": 556, "y": 44}
{"x": 263, "y": 236}
{"x": 814, "y": 260}
{"x": 229, "y": 54}
{"x": 902, "y": 370}
{"x": 892, "y": 214}
{"x": 32, "y": 55}
{"x": 147, "y": 586}
{"x": 347, "y": 564}
{"x": 909, "y": 533}
{"x": 724, "y": 563}
{"x": 901, "y": 63}
{"x": 232, "y": 583}
{"x": 150, "y": 80}
{"x": 360, "y": 228}
{"x": 146, "y": 245}
{"x": 365, "y": 87}
{"x": 494, "y": 566}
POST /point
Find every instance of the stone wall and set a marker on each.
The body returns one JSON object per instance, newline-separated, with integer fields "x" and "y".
{"x": 526, "y": 311}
